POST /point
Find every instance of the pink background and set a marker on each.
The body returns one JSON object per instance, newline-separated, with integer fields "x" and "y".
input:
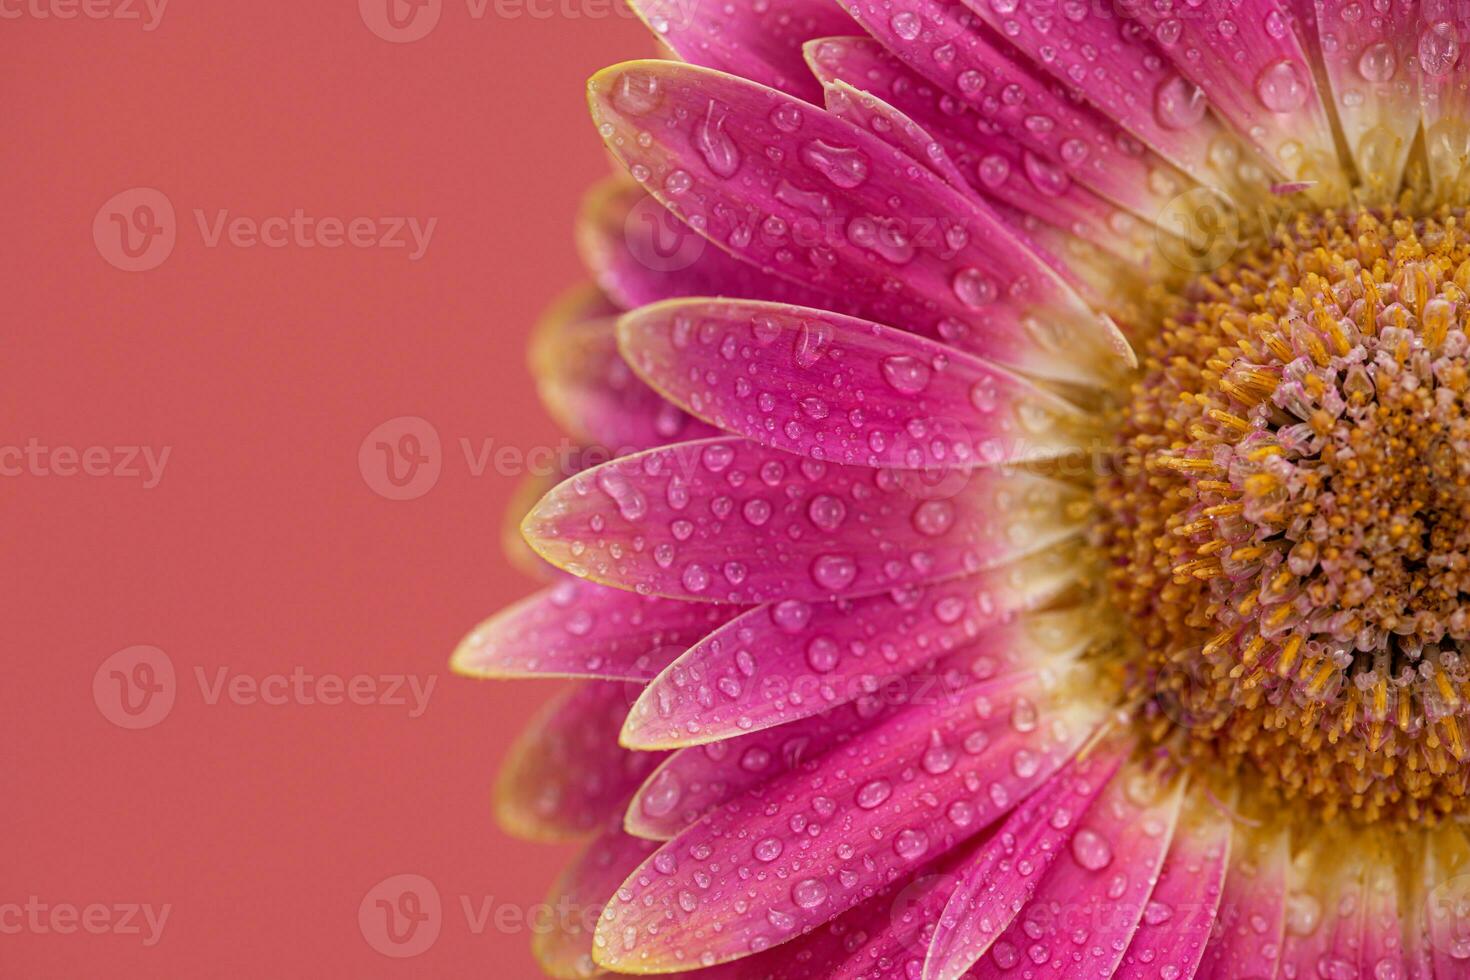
{"x": 263, "y": 549}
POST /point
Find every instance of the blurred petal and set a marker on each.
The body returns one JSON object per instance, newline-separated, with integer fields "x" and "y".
{"x": 1181, "y": 912}
{"x": 820, "y": 840}
{"x": 566, "y": 776}
{"x": 641, "y": 253}
{"x": 842, "y": 389}
{"x": 727, "y": 520}
{"x": 803, "y": 193}
{"x": 761, "y": 671}
{"x": 1004, "y": 873}
{"x": 563, "y": 945}
{"x": 757, "y": 40}
{"x": 577, "y": 629}
{"x": 590, "y": 391}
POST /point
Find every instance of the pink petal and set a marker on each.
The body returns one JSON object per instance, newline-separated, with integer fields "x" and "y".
{"x": 1022, "y": 108}
{"x": 1004, "y": 873}
{"x": 1089, "y": 902}
{"x": 566, "y": 776}
{"x": 591, "y": 392}
{"x": 728, "y": 520}
{"x": 577, "y": 629}
{"x": 866, "y": 111}
{"x": 763, "y": 670}
{"x": 993, "y": 165}
{"x": 562, "y": 944}
{"x": 800, "y": 192}
{"x": 1252, "y": 913}
{"x": 1256, "y": 75}
{"x": 1180, "y": 914}
{"x": 796, "y": 852}
{"x": 1445, "y": 912}
{"x": 641, "y": 253}
{"x": 1370, "y": 67}
{"x": 1111, "y": 62}
{"x": 842, "y": 389}
{"x": 696, "y": 779}
{"x": 757, "y": 40}
{"x": 1444, "y": 82}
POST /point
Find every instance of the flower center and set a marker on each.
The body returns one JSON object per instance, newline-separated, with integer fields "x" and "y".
{"x": 1288, "y": 528}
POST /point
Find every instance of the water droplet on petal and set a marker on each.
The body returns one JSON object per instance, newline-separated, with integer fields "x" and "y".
{"x": 714, "y": 145}
{"x": 844, "y": 166}
{"x": 906, "y": 374}
{"x": 808, "y": 893}
{"x": 1091, "y": 850}
{"x": 872, "y": 794}
{"x": 1179, "y": 103}
{"x": 1280, "y": 86}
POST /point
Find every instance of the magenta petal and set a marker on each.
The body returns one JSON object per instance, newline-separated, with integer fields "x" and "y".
{"x": 842, "y": 389}
{"x": 798, "y": 851}
{"x": 1252, "y": 912}
{"x": 1026, "y": 188}
{"x": 727, "y": 520}
{"x": 591, "y": 391}
{"x": 694, "y": 780}
{"x": 867, "y": 111}
{"x": 1253, "y": 72}
{"x": 766, "y": 669}
{"x": 1023, "y": 108}
{"x": 1181, "y": 912}
{"x": 1111, "y": 61}
{"x": 811, "y": 197}
{"x": 566, "y": 776}
{"x": 1098, "y": 888}
{"x": 641, "y": 253}
{"x": 757, "y": 40}
{"x": 1444, "y": 82}
{"x": 1004, "y": 873}
{"x": 562, "y": 944}
{"x": 577, "y": 629}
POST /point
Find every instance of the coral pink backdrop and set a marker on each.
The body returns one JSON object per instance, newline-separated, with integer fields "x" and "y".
{"x": 242, "y": 243}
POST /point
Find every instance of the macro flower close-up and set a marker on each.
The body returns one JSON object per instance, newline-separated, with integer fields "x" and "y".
{"x": 1022, "y": 522}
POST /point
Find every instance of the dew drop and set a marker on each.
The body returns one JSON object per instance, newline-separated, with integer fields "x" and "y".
{"x": 718, "y": 150}
{"x": 1377, "y": 62}
{"x": 808, "y": 893}
{"x": 973, "y": 288}
{"x": 844, "y": 166}
{"x": 1179, "y": 103}
{"x": 1091, "y": 850}
{"x": 872, "y": 794}
{"x": 906, "y": 374}
{"x": 835, "y": 572}
{"x": 1280, "y": 86}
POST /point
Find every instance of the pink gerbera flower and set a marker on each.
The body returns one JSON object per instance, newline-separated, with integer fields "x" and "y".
{"x": 1038, "y": 542}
